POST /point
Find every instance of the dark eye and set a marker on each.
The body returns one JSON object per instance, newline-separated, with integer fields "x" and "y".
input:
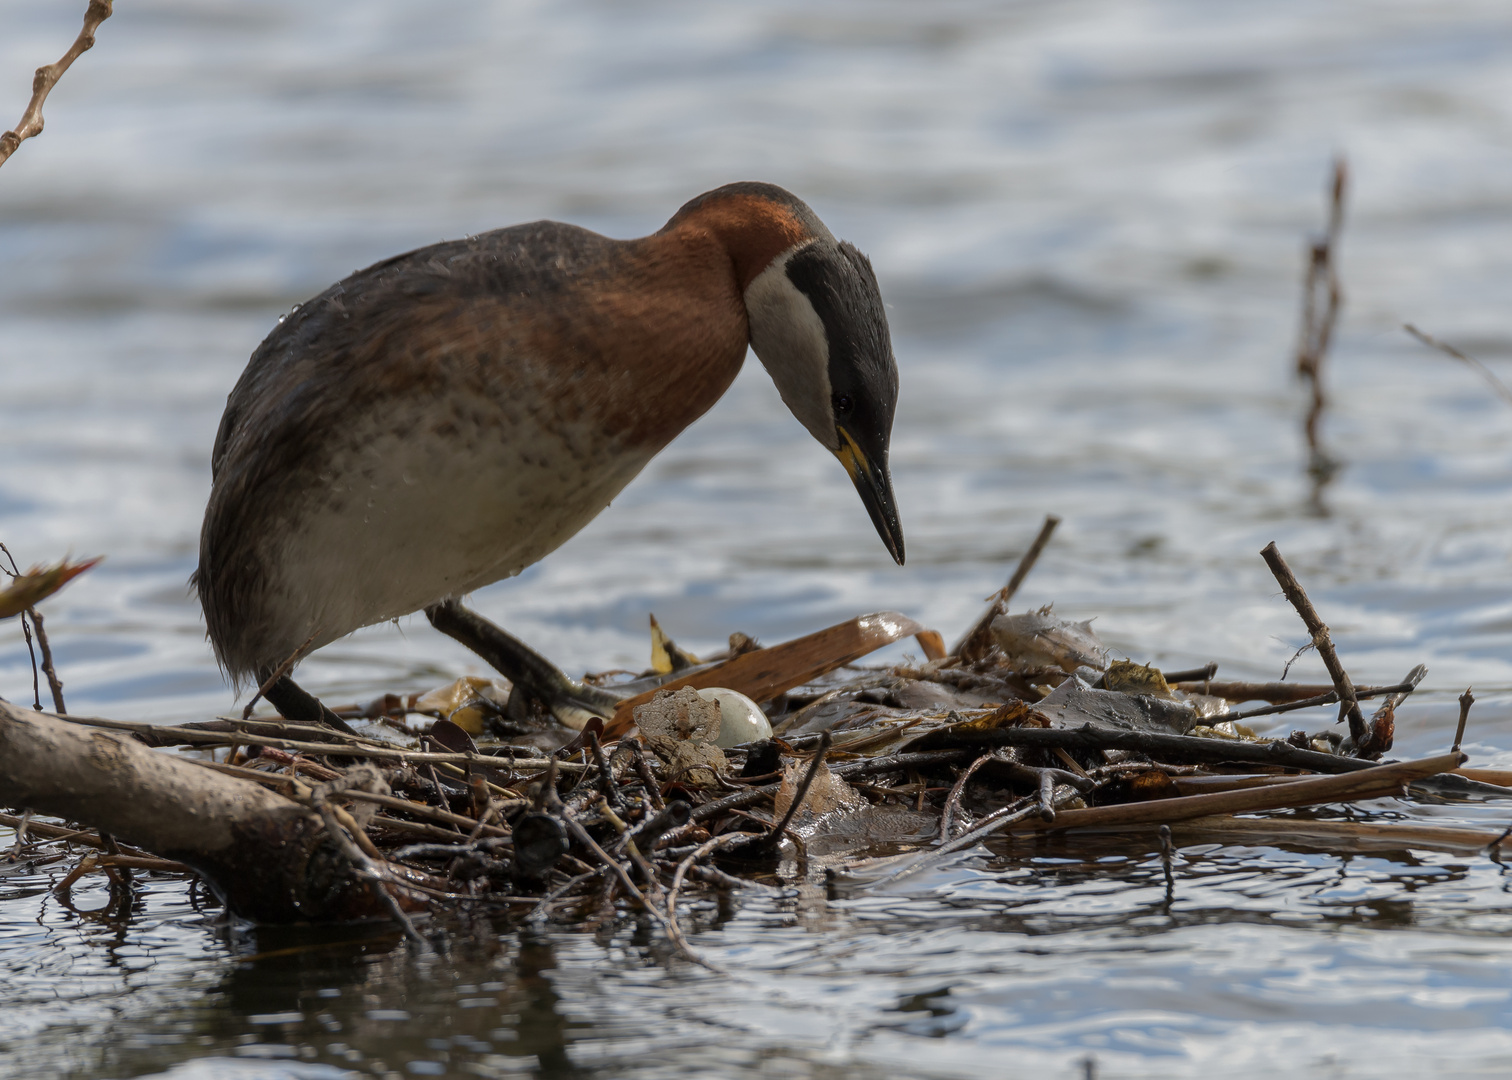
{"x": 842, "y": 404}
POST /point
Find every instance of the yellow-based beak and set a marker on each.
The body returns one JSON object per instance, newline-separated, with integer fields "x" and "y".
{"x": 874, "y": 485}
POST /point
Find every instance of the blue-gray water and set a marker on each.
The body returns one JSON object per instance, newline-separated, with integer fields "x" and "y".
{"x": 1088, "y": 219}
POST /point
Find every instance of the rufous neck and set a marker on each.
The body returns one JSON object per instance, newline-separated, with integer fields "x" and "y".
{"x": 753, "y": 229}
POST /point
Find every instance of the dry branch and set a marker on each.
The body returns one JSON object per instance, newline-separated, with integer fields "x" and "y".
{"x": 1321, "y": 300}
{"x": 1374, "y": 782}
{"x": 976, "y": 642}
{"x": 1173, "y": 748}
{"x": 1466, "y": 700}
{"x": 1349, "y": 707}
{"x": 268, "y": 857}
{"x": 47, "y": 77}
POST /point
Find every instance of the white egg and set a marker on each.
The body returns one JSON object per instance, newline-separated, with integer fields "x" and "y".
{"x": 740, "y": 719}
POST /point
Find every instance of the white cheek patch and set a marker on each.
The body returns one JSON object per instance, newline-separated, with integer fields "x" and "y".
{"x": 788, "y": 337}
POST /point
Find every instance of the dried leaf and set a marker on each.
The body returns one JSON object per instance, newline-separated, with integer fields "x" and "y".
{"x": 1013, "y": 714}
{"x": 826, "y": 794}
{"x": 666, "y": 657}
{"x": 468, "y": 702}
{"x": 37, "y": 584}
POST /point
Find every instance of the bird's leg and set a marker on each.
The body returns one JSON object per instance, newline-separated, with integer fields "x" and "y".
{"x": 299, "y": 706}
{"x": 569, "y": 701}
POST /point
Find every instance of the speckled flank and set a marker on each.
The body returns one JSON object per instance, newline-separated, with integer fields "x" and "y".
{"x": 447, "y": 417}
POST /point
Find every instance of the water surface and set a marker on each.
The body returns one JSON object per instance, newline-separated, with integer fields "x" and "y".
{"x": 1087, "y": 219}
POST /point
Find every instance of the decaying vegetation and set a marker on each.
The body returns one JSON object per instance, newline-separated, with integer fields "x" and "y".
{"x": 471, "y": 796}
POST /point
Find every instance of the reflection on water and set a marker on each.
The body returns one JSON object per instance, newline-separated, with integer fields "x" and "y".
{"x": 1385, "y": 962}
{"x": 1088, "y": 220}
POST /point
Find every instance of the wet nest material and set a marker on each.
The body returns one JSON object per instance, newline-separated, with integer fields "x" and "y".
{"x": 472, "y": 796}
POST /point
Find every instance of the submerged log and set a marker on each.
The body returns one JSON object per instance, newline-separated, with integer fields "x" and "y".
{"x": 269, "y": 858}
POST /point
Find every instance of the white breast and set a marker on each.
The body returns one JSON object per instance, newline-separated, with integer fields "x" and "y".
{"x": 406, "y": 517}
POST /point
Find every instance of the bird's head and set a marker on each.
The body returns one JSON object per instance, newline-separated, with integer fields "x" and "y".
{"x": 817, "y": 325}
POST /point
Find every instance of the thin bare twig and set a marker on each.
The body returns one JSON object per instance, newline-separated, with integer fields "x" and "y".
{"x": 1349, "y": 707}
{"x": 15, "y": 572}
{"x": 1329, "y": 698}
{"x": 368, "y": 870}
{"x": 617, "y": 868}
{"x": 976, "y": 641}
{"x": 279, "y": 672}
{"x": 1322, "y": 298}
{"x": 953, "y": 800}
{"x": 54, "y": 683}
{"x": 21, "y": 834}
{"x": 1502, "y": 389}
{"x": 47, "y": 77}
{"x": 607, "y": 786}
{"x": 702, "y": 851}
{"x": 653, "y": 789}
{"x": 1466, "y": 700}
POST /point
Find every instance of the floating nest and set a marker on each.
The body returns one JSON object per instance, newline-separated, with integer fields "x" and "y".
{"x": 711, "y": 774}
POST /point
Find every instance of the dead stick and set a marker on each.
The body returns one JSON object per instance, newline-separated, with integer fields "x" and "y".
{"x": 54, "y": 683}
{"x": 1466, "y": 700}
{"x": 1402, "y": 688}
{"x": 1374, "y": 782}
{"x": 136, "y": 862}
{"x": 607, "y": 786}
{"x": 365, "y": 868}
{"x": 1277, "y": 693}
{"x": 363, "y": 748}
{"x": 15, "y": 572}
{"x": 1164, "y": 747}
{"x": 47, "y": 77}
{"x": 653, "y": 789}
{"x": 542, "y": 907}
{"x": 1047, "y": 795}
{"x": 623, "y": 876}
{"x": 954, "y": 798}
{"x": 20, "y": 835}
{"x": 974, "y": 639}
{"x": 62, "y": 834}
{"x": 434, "y": 832}
{"x": 1317, "y": 331}
{"x": 703, "y": 850}
{"x": 1349, "y": 707}
{"x": 1203, "y": 674}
